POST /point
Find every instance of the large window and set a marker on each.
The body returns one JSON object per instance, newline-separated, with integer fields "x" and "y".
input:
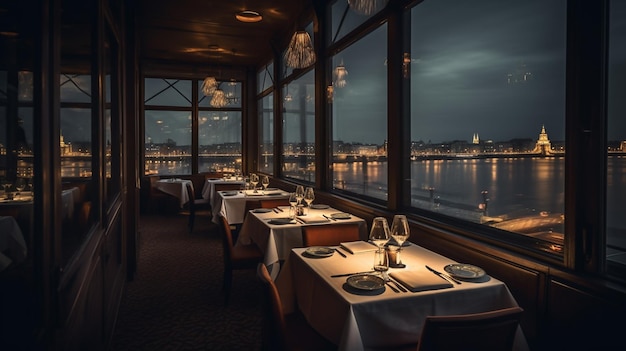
{"x": 299, "y": 128}
{"x": 170, "y": 115}
{"x": 359, "y": 117}
{"x": 488, "y": 113}
{"x": 616, "y": 172}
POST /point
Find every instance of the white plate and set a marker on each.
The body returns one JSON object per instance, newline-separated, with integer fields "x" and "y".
{"x": 320, "y": 251}
{"x": 367, "y": 282}
{"x": 319, "y": 207}
{"x": 464, "y": 271}
{"x": 340, "y": 215}
{"x": 281, "y": 221}
{"x": 262, "y": 210}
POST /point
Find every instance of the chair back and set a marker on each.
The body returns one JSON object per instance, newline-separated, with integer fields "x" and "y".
{"x": 329, "y": 234}
{"x": 227, "y": 241}
{"x": 485, "y": 331}
{"x": 274, "y": 327}
{"x": 271, "y": 203}
{"x": 192, "y": 196}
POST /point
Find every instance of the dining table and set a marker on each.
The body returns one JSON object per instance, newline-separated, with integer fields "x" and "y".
{"x": 232, "y": 204}
{"x": 176, "y": 187}
{"x": 276, "y": 234}
{"x": 356, "y": 309}
{"x": 12, "y": 244}
{"x": 209, "y": 190}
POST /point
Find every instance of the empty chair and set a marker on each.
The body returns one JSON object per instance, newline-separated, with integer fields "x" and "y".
{"x": 195, "y": 205}
{"x": 236, "y": 257}
{"x": 485, "y": 331}
{"x": 329, "y": 234}
{"x": 271, "y": 203}
{"x": 285, "y": 332}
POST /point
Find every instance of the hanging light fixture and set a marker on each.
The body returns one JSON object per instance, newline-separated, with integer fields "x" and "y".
{"x": 219, "y": 98}
{"x": 367, "y": 7}
{"x": 209, "y": 85}
{"x": 300, "y": 53}
{"x": 340, "y": 73}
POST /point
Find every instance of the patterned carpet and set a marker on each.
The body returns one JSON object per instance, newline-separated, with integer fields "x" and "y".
{"x": 175, "y": 301}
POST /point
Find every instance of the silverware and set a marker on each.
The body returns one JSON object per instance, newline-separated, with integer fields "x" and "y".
{"x": 443, "y": 275}
{"x": 391, "y": 286}
{"x": 349, "y": 274}
{"x": 339, "y": 252}
{"x": 329, "y": 218}
{"x": 398, "y": 285}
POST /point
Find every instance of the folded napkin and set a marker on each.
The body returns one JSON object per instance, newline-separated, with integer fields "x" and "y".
{"x": 420, "y": 280}
{"x": 359, "y": 246}
{"x": 313, "y": 219}
{"x": 252, "y": 193}
{"x": 272, "y": 192}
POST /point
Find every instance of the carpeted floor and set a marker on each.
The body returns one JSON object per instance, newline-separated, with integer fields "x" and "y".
{"x": 175, "y": 301}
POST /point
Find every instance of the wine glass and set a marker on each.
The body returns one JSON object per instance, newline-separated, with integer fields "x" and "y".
{"x": 379, "y": 235}
{"x": 400, "y": 233}
{"x": 254, "y": 180}
{"x": 309, "y": 196}
{"x": 7, "y": 185}
{"x": 293, "y": 201}
{"x": 299, "y": 193}
{"x": 265, "y": 182}
{"x": 20, "y": 184}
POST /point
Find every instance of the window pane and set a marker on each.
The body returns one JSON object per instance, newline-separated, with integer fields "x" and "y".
{"x": 220, "y": 141}
{"x": 265, "y": 78}
{"x": 167, "y": 92}
{"x": 487, "y": 113}
{"x": 299, "y": 128}
{"x": 266, "y": 134}
{"x": 75, "y": 88}
{"x": 345, "y": 18}
{"x": 616, "y": 172}
{"x": 359, "y": 117}
{"x": 168, "y": 142}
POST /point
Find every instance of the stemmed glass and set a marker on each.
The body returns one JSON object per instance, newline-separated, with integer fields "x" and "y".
{"x": 400, "y": 233}
{"x": 299, "y": 193}
{"x": 293, "y": 201}
{"x": 379, "y": 235}
{"x": 20, "y": 184}
{"x": 7, "y": 185}
{"x": 254, "y": 180}
{"x": 309, "y": 196}
{"x": 265, "y": 182}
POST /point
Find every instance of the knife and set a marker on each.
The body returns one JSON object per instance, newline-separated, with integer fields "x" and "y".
{"x": 349, "y": 274}
{"x": 339, "y": 252}
{"x": 444, "y": 276}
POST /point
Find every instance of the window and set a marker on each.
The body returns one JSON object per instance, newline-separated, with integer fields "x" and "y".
{"x": 359, "y": 117}
{"x": 266, "y": 134}
{"x": 299, "y": 128}
{"x": 488, "y": 113}
{"x": 616, "y": 162}
{"x": 345, "y": 17}
{"x": 265, "y": 78}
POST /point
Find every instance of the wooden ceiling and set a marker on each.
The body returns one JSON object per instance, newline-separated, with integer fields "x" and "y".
{"x": 207, "y": 32}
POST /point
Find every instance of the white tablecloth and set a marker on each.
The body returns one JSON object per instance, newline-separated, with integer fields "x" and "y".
{"x": 208, "y": 190}
{"x": 276, "y": 241}
{"x": 385, "y": 319}
{"x": 175, "y": 187}
{"x": 12, "y": 244}
{"x": 233, "y": 206}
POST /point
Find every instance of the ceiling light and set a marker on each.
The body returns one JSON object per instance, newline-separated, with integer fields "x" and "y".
{"x": 219, "y": 98}
{"x": 300, "y": 53}
{"x": 367, "y": 7}
{"x": 209, "y": 85}
{"x": 248, "y": 16}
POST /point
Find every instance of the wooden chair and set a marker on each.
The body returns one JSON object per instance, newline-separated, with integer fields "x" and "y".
{"x": 329, "y": 234}
{"x": 236, "y": 257}
{"x": 271, "y": 203}
{"x": 285, "y": 332}
{"x": 156, "y": 200}
{"x": 485, "y": 331}
{"x": 194, "y": 205}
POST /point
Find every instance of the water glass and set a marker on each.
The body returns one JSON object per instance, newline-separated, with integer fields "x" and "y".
{"x": 381, "y": 261}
